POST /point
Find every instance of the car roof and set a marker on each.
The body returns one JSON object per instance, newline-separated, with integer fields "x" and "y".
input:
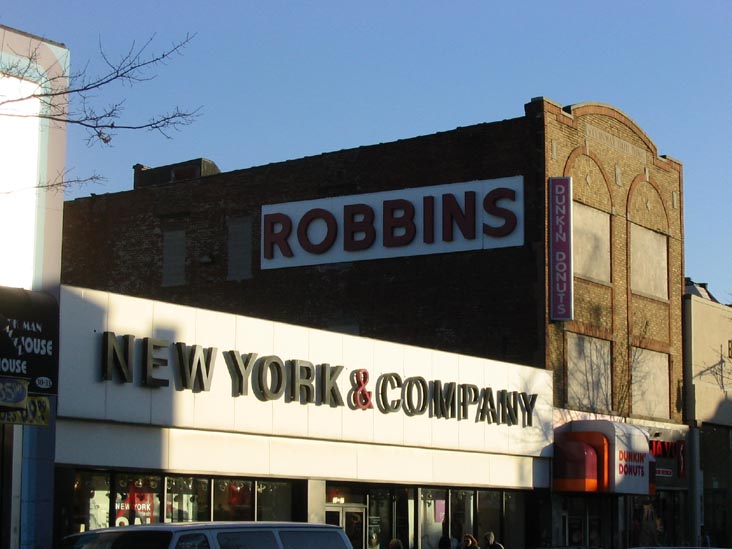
{"x": 183, "y": 526}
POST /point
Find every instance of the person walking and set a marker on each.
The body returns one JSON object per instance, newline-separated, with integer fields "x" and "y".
{"x": 395, "y": 544}
{"x": 490, "y": 541}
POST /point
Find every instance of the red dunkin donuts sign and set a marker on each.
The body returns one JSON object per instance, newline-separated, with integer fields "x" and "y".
{"x": 456, "y": 217}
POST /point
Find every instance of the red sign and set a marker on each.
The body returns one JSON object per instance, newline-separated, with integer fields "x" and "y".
{"x": 561, "y": 271}
{"x": 673, "y": 450}
{"x": 139, "y": 504}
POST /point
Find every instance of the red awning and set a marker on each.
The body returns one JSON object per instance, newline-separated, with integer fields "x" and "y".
{"x": 575, "y": 466}
{"x": 581, "y": 462}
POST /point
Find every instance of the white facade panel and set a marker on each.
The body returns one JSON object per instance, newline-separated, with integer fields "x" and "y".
{"x": 445, "y": 433}
{"x": 124, "y": 316}
{"x": 417, "y": 361}
{"x": 217, "y": 331}
{"x": 220, "y": 429}
{"x": 206, "y": 452}
{"x": 83, "y": 316}
{"x": 314, "y": 459}
{"x": 249, "y": 413}
{"x": 471, "y": 434}
{"x": 33, "y": 153}
{"x": 171, "y": 406}
{"x": 405, "y": 465}
{"x": 388, "y": 428}
{"x": 359, "y": 353}
{"x": 19, "y": 140}
{"x": 113, "y": 445}
{"x": 290, "y": 418}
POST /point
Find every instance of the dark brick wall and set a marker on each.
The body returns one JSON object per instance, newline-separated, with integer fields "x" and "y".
{"x": 487, "y": 303}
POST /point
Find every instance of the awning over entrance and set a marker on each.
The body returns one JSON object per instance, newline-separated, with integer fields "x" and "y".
{"x": 602, "y": 456}
{"x": 581, "y": 462}
{"x": 575, "y": 466}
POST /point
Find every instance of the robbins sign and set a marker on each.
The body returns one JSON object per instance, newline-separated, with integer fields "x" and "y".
{"x": 456, "y": 217}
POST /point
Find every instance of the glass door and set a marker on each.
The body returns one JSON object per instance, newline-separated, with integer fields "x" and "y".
{"x": 352, "y": 518}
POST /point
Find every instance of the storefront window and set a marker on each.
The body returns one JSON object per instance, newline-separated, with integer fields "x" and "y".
{"x": 187, "y": 499}
{"x": 91, "y": 501}
{"x": 587, "y": 520}
{"x": 538, "y": 519}
{"x": 379, "y": 519}
{"x": 233, "y": 499}
{"x": 344, "y": 493}
{"x": 644, "y": 524}
{"x": 353, "y": 525}
{"x": 594, "y": 524}
{"x": 404, "y": 518}
{"x": 461, "y": 513}
{"x": 432, "y": 516}
{"x": 660, "y": 520}
{"x": 575, "y": 514}
{"x": 274, "y": 500}
{"x": 137, "y": 499}
{"x": 489, "y": 514}
{"x": 515, "y": 527}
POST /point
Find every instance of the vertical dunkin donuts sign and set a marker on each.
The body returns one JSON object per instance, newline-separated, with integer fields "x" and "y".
{"x": 561, "y": 272}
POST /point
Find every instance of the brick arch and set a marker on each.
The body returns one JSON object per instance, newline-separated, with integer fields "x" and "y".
{"x": 640, "y": 195}
{"x": 582, "y": 109}
{"x": 596, "y": 197}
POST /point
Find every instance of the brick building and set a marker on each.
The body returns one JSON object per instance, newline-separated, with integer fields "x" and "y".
{"x": 442, "y": 241}
{"x": 489, "y": 304}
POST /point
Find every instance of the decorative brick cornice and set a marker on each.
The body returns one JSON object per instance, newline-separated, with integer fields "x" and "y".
{"x": 570, "y": 114}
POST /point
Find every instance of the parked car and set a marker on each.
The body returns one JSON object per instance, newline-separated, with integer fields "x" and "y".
{"x": 213, "y": 535}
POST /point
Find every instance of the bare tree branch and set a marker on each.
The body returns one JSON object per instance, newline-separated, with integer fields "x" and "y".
{"x": 69, "y": 98}
{"x": 61, "y": 182}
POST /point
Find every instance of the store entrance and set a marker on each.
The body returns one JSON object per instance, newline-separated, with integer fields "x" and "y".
{"x": 587, "y": 521}
{"x": 352, "y": 518}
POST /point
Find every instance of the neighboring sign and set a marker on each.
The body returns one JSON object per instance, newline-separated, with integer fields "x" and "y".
{"x": 36, "y": 412}
{"x": 561, "y": 270}
{"x": 13, "y": 393}
{"x": 669, "y": 449}
{"x": 139, "y": 503}
{"x": 29, "y": 339}
{"x": 455, "y": 217}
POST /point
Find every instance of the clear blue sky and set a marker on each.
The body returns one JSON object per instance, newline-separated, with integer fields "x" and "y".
{"x": 279, "y": 80}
